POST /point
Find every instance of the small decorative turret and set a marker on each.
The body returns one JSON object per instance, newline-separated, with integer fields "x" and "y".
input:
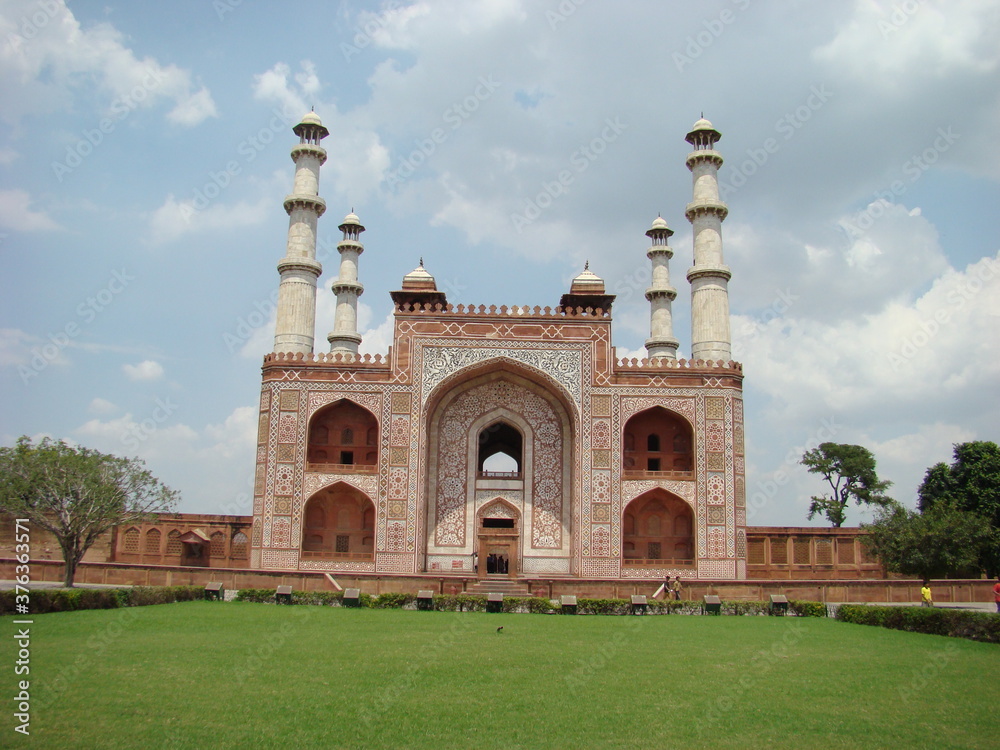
{"x": 344, "y": 338}
{"x": 295, "y": 326}
{"x": 661, "y": 342}
{"x": 587, "y": 290}
{"x": 709, "y": 276}
{"x": 419, "y": 288}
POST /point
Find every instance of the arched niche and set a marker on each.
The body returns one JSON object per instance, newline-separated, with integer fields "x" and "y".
{"x": 658, "y": 526}
{"x": 343, "y": 433}
{"x": 658, "y": 440}
{"x": 339, "y": 524}
{"x": 496, "y": 442}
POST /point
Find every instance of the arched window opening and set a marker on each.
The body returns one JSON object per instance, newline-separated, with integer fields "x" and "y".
{"x": 239, "y": 546}
{"x": 217, "y": 545}
{"x": 174, "y": 544}
{"x": 504, "y": 440}
{"x": 130, "y": 541}
{"x": 656, "y": 530}
{"x": 664, "y": 441}
{"x": 153, "y": 542}
{"x": 340, "y": 525}
{"x": 334, "y": 431}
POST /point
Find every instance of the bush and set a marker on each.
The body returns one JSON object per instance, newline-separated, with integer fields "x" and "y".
{"x": 393, "y": 601}
{"x": 69, "y": 600}
{"x": 806, "y": 609}
{"x": 956, "y": 623}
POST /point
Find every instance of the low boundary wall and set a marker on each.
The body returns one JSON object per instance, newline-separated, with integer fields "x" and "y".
{"x": 832, "y": 591}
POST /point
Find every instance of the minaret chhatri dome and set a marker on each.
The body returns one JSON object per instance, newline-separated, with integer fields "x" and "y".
{"x": 344, "y": 338}
{"x": 661, "y": 341}
{"x": 709, "y": 276}
{"x": 294, "y": 329}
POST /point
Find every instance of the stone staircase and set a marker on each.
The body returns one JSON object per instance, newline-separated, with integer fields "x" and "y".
{"x": 498, "y": 585}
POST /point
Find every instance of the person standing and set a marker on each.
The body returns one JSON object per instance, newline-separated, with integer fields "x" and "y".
{"x": 996, "y": 593}
{"x": 675, "y": 588}
{"x": 925, "y": 595}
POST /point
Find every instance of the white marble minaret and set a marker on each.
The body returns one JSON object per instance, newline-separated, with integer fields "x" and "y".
{"x": 709, "y": 276}
{"x": 344, "y": 338}
{"x": 299, "y": 269}
{"x": 661, "y": 342}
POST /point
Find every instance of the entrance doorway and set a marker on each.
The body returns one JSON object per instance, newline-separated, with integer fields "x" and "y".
{"x": 498, "y": 535}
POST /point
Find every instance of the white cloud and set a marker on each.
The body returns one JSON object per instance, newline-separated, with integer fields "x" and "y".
{"x": 16, "y": 213}
{"x": 47, "y": 66}
{"x": 146, "y": 370}
{"x": 14, "y": 346}
{"x": 101, "y": 406}
{"x": 193, "y": 109}
{"x": 237, "y": 435}
{"x": 355, "y": 147}
{"x": 174, "y": 218}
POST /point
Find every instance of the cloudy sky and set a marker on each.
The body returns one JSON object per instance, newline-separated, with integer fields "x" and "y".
{"x": 144, "y": 159}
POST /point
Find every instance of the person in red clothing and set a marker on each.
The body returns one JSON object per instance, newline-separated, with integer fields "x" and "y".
{"x": 996, "y": 594}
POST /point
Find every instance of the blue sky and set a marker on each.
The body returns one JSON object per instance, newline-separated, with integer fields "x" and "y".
{"x": 144, "y": 159}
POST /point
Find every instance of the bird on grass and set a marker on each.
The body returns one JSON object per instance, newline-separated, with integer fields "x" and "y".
{"x": 500, "y": 628}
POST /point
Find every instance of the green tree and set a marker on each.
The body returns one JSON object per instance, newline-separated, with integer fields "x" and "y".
{"x": 850, "y": 472}
{"x": 77, "y": 493}
{"x": 972, "y": 484}
{"x": 940, "y": 542}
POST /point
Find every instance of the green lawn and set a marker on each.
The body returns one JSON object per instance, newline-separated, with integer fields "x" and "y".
{"x": 213, "y": 675}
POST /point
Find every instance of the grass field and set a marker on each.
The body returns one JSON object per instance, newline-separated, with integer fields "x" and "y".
{"x": 213, "y": 675}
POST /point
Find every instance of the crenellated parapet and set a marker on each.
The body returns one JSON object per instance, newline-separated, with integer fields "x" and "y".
{"x": 328, "y": 358}
{"x": 493, "y": 311}
{"x": 662, "y": 363}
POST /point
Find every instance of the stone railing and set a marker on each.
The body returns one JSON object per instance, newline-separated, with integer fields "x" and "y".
{"x": 646, "y": 474}
{"x": 664, "y": 363}
{"x": 342, "y": 468}
{"x": 335, "y": 358}
{"x": 515, "y": 311}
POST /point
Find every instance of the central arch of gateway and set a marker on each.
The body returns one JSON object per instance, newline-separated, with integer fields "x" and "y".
{"x": 523, "y": 515}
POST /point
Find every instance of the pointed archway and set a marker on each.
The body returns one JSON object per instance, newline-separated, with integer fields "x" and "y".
{"x": 498, "y": 530}
{"x": 339, "y": 524}
{"x": 657, "y": 531}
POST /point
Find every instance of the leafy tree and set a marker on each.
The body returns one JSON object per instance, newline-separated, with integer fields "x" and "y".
{"x": 971, "y": 483}
{"x": 850, "y": 472}
{"x": 77, "y": 493}
{"x": 940, "y": 542}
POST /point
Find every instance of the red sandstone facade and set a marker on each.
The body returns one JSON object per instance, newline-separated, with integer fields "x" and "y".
{"x": 624, "y": 469}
